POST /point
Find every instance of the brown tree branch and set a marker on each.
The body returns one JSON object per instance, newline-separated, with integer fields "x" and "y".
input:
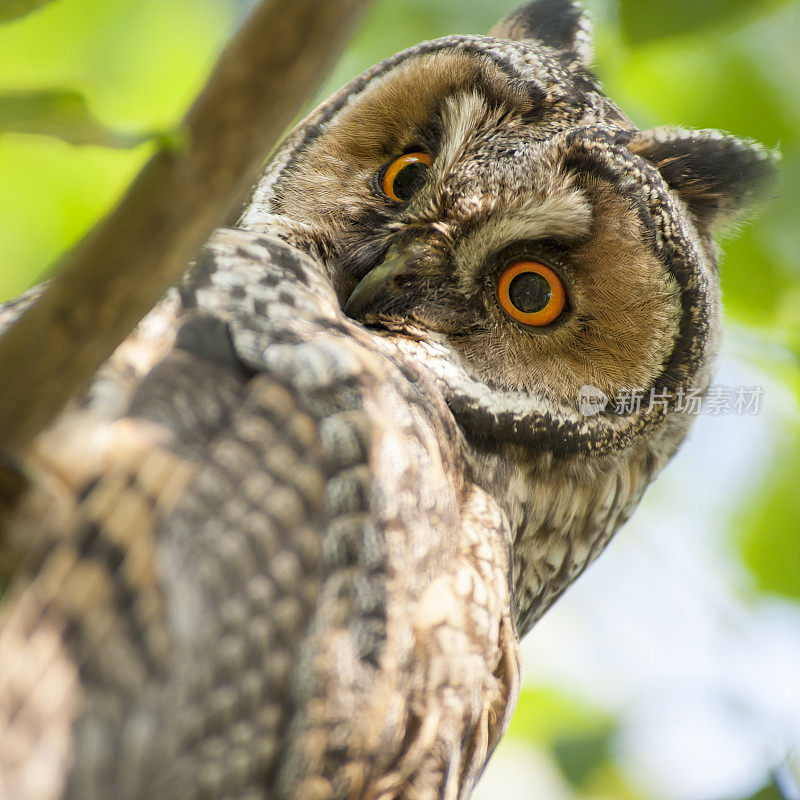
{"x": 117, "y": 273}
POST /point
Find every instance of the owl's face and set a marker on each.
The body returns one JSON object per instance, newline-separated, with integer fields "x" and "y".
{"x": 471, "y": 181}
{"x": 484, "y": 194}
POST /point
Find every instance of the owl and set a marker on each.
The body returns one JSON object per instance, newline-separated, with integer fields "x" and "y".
{"x": 286, "y": 543}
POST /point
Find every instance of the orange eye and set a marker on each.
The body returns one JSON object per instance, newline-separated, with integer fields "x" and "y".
{"x": 531, "y": 293}
{"x": 405, "y": 176}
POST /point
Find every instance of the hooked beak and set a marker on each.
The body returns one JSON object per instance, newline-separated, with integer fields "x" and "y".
{"x": 380, "y": 288}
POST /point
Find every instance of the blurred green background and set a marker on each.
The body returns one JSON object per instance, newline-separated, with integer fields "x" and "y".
{"x": 673, "y": 669}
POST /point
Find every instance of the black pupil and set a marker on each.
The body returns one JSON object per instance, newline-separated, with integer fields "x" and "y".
{"x": 529, "y": 292}
{"x": 409, "y": 180}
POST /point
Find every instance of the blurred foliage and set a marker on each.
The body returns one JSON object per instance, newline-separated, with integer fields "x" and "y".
{"x": 581, "y": 757}
{"x": 581, "y": 740}
{"x": 579, "y": 737}
{"x": 769, "y": 528}
{"x": 11, "y": 9}
{"x": 59, "y": 112}
{"x": 643, "y": 20}
{"x": 136, "y": 65}
{"x": 102, "y": 74}
{"x": 546, "y": 715}
{"x": 770, "y": 792}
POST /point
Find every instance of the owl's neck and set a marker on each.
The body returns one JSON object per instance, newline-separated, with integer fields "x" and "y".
{"x": 562, "y": 514}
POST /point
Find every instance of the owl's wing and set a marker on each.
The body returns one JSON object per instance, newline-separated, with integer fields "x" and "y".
{"x": 251, "y": 563}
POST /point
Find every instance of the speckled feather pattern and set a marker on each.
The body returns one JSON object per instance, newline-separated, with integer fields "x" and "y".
{"x": 312, "y": 506}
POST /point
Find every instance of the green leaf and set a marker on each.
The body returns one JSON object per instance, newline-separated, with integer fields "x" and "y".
{"x": 769, "y": 792}
{"x": 546, "y": 715}
{"x": 769, "y": 530}
{"x": 62, "y": 113}
{"x": 11, "y": 9}
{"x": 580, "y": 757}
{"x": 643, "y": 20}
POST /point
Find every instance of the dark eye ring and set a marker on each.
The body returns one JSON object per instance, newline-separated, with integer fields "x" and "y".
{"x": 405, "y": 175}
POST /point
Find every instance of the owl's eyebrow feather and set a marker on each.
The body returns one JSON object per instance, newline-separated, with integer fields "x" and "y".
{"x": 465, "y": 115}
{"x": 566, "y": 216}
{"x": 462, "y": 115}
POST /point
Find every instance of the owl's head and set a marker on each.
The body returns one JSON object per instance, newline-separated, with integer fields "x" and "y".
{"x": 481, "y": 197}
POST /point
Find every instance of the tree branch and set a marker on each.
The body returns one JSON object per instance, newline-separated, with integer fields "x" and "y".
{"x": 123, "y": 266}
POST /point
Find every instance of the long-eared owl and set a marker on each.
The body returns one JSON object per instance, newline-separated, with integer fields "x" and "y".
{"x": 286, "y": 543}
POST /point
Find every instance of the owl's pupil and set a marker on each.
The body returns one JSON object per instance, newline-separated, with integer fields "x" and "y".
{"x": 529, "y": 292}
{"x": 409, "y": 180}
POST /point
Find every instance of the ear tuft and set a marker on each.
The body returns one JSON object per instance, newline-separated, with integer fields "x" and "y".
{"x": 718, "y": 176}
{"x": 560, "y": 24}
